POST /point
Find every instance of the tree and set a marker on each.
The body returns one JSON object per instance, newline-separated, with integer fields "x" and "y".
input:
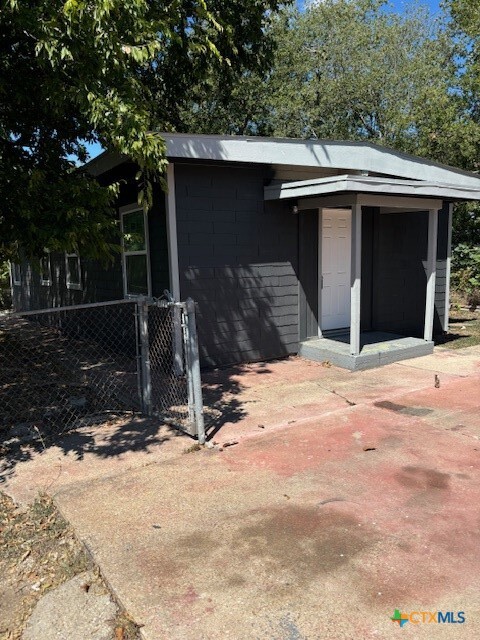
{"x": 465, "y": 31}
{"x": 112, "y": 71}
{"x": 349, "y": 69}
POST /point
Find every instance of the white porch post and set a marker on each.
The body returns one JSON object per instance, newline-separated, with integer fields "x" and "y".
{"x": 431, "y": 273}
{"x": 448, "y": 269}
{"x": 172, "y": 232}
{"x": 171, "y": 207}
{"x": 356, "y": 273}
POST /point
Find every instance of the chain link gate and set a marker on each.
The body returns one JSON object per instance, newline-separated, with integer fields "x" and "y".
{"x": 67, "y": 367}
{"x": 169, "y": 364}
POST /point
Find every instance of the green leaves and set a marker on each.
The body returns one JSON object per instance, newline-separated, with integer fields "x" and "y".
{"x": 108, "y": 71}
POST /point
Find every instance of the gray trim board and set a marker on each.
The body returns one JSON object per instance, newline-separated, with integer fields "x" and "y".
{"x": 389, "y": 187}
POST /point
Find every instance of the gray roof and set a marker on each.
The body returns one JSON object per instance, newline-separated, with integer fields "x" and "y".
{"x": 349, "y": 157}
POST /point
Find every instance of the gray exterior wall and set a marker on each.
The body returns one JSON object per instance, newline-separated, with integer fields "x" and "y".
{"x": 399, "y": 272}
{"x": 238, "y": 259}
{"x": 308, "y": 273}
{"x": 399, "y": 279}
{"x": 100, "y": 282}
{"x": 252, "y": 267}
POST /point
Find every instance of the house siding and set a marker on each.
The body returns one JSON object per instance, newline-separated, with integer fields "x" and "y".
{"x": 238, "y": 259}
{"x": 100, "y": 282}
{"x": 366, "y": 291}
{"x": 308, "y": 254}
{"x": 441, "y": 276}
{"x": 399, "y": 272}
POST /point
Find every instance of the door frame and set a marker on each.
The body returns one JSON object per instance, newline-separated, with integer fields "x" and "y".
{"x": 319, "y": 264}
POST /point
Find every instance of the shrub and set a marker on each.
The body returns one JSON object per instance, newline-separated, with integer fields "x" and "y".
{"x": 466, "y": 272}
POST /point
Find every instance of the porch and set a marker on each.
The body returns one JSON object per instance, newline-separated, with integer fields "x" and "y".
{"x": 376, "y": 349}
{"x": 374, "y": 266}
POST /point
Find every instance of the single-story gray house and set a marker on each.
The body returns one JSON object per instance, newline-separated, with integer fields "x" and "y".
{"x": 339, "y": 251}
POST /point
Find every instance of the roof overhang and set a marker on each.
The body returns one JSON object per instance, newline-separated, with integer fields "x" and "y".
{"x": 329, "y": 154}
{"x": 345, "y": 189}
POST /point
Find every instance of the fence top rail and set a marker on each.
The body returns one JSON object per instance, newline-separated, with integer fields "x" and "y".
{"x": 71, "y": 307}
{"x": 91, "y": 305}
{"x": 165, "y": 304}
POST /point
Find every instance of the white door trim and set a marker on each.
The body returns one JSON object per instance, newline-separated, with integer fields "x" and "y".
{"x": 348, "y": 265}
{"x": 319, "y": 271}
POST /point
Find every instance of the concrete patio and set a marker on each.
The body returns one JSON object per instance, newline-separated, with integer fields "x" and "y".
{"x": 346, "y": 496}
{"x": 376, "y": 349}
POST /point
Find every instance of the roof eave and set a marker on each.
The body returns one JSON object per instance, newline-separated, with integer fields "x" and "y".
{"x": 354, "y": 184}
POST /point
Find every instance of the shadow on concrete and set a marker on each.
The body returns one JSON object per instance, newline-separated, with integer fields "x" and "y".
{"x": 135, "y": 434}
{"x": 222, "y": 390}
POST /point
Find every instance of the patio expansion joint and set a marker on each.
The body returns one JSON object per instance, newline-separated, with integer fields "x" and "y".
{"x": 351, "y": 406}
{"x": 408, "y": 364}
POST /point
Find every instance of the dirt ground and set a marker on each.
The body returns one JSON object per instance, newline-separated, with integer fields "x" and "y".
{"x": 38, "y": 552}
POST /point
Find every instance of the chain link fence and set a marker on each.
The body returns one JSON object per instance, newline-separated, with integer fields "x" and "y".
{"x": 63, "y": 368}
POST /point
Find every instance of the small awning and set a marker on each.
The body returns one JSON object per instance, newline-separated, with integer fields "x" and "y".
{"x": 358, "y": 184}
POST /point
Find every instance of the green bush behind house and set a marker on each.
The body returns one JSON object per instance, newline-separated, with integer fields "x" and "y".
{"x": 466, "y": 272}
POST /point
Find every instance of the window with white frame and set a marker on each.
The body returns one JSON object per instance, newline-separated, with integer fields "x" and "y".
{"x": 16, "y": 273}
{"x": 73, "y": 269}
{"x": 136, "y": 268}
{"x": 45, "y": 271}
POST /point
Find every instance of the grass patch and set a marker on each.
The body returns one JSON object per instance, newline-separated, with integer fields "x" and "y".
{"x": 193, "y": 448}
{"x": 464, "y": 329}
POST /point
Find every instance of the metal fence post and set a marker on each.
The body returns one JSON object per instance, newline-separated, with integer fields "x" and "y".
{"x": 177, "y": 341}
{"x": 146, "y": 383}
{"x": 188, "y": 369}
{"x": 193, "y": 369}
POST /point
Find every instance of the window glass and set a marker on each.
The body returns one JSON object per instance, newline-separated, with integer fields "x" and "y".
{"x": 16, "y": 273}
{"x": 74, "y": 278}
{"x": 135, "y": 254}
{"x": 45, "y": 269}
{"x": 134, "y": 231}
{"x": 136, "y": 275}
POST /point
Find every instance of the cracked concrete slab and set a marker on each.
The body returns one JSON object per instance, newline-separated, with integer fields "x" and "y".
{"x": 78, "y": 609}
{"x": 316, "y": 526}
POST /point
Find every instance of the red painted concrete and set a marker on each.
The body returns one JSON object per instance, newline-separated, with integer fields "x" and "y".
{"x": 318, "y": 528}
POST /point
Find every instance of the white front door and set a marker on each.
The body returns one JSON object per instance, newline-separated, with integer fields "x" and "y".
{"x": 335, "y": 242}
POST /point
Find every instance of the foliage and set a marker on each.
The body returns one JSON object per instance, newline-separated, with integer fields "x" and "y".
{"x": 76, "y": 71}
{"x": 466, "y": 272}
{"x": 353, "y": 71}
{"x": 466, "y": 224}
{"x": 349, "y": 69}
{"x": 465, "y": 30}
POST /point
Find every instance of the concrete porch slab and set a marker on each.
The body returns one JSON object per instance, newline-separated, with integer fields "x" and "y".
{"x": 376, "y": 349}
